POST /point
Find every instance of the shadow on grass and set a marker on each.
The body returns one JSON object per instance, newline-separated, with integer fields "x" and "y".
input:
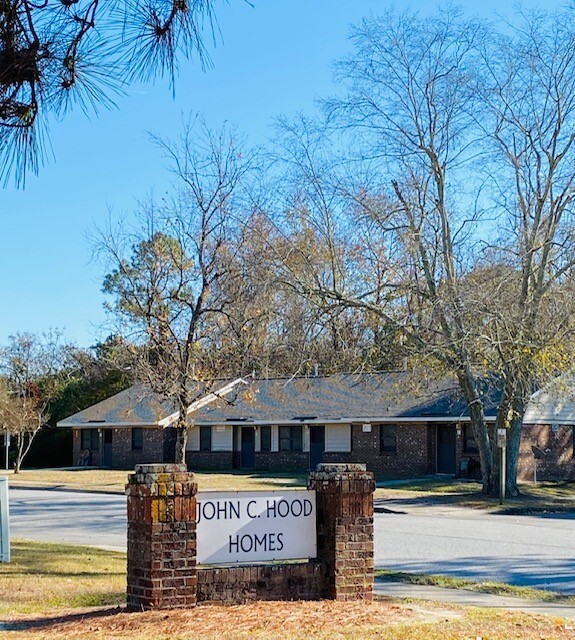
{"x": 69, "y": 618}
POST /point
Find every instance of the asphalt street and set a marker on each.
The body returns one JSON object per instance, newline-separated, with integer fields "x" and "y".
{"x": 68, "y": 516}
{"x": 537, "y": 551}
{"x": 523, "y": 550}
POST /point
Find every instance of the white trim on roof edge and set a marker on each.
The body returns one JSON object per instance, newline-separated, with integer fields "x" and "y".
{"x": 247, "y": 423}
{"x": 202, "y": 402}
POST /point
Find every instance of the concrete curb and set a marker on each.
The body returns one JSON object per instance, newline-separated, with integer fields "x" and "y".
{"x": 472, "y": 599}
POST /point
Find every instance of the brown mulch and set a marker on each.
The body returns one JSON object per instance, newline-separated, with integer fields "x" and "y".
{"x": 259, "y": 619}
{"x": 383, "y": 619}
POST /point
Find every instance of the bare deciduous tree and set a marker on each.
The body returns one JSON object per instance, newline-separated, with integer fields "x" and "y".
{"x": 166, "y": 275}
{"x": 476, "y": 284}
{"x": 34, "y": 368}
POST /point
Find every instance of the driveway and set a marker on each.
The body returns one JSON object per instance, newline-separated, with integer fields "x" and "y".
{"x": 522, "y": 550}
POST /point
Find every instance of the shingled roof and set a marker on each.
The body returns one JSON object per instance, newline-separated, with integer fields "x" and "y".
{"x": 352, "y": 397}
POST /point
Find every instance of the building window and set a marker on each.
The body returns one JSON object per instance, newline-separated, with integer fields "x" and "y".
{"x": 137, "y": 438}
{"x": 291, "y": 438}
{"x": 469, "y": 443}
{"x": 387, "y": 438}
{"x": 205, "y": 438}
{"x": 90, "y": 439}
{"x": 265, "y": 438}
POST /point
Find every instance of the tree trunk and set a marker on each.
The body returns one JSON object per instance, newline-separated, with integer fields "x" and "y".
{"x": 181, "y": 440}
{"x": 513, "y": 448}
{"x": 479, "y": 426}
{"x": 19, "y": 453}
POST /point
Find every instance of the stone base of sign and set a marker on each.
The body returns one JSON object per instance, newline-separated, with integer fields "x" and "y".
{"x": 162, "y": 570}
{"x": 246, "y": 583}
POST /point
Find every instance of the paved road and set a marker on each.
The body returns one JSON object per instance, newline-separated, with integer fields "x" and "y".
{"x": 68, "y": 516}
{"x": 537, "y": 551}
{"x": 528, "y": 550}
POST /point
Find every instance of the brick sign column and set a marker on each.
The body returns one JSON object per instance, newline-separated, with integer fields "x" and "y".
{"x": 344, "y": 501}
{"x": 162, "y": 571}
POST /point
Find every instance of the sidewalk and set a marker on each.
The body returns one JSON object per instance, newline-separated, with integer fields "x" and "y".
{"x": 472, "y": 599}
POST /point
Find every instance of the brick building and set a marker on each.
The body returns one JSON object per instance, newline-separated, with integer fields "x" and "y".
{"x": 399, "y": 424}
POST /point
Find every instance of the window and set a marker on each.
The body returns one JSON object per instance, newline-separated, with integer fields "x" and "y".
{"x": 205, "y": 438}
{"x": 387, "y": 438}
{"x": 291, "y": 438}
{"x": 90, "y": 439}
{"x": 137, "y": 438}
{"x": 469, "y": 444}
{"x": 265, "y": 438}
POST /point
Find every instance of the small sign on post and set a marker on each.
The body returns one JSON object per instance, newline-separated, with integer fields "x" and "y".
{"x": 502, "y": 444}
{"x": 4, "y": 521}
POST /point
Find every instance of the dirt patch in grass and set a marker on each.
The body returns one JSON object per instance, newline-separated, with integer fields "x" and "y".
{"x": 383, "y": 619}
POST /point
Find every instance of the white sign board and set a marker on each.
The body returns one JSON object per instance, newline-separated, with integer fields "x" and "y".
{"x": 255, "y": 526}
{"x": 4, "y": 522}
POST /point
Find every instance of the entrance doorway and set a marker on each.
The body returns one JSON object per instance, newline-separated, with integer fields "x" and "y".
{"x": 316, "y": 445}
{"x": 248, "y": 448}
{"x": 446, "y": 438}
{"x": 107, "y": 448}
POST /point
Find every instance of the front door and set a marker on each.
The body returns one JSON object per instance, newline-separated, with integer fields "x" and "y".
{"x": 316, "y": 445}
{"x": 248, "y": 448}
{"x": 446, "y": 436}
{"x": 107, "y": 448}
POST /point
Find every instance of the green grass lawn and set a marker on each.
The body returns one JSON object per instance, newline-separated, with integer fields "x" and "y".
{"x": 544, "y": 496}
{"x": 114, "y": 481}
{"x": 43, "y": 576}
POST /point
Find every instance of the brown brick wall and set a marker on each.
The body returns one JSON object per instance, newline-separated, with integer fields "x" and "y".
{"x": 557, "y": 461}
{"x": 152, "y": 448}
{"x": 123, "y": 457}
{"x": 344, "y": 501}
{"x": 162, "y": 572}
{"x": 282, "y": 460}
{"x": 410, "y": 459}
{"x": 222, "y": 460}
{"x": 415, "y": 455}
{"x": 77, "y": 450}
{"x": 242, "y": 584}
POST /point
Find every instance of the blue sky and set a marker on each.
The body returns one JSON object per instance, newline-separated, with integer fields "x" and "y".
{"x": 273, "y": 59}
